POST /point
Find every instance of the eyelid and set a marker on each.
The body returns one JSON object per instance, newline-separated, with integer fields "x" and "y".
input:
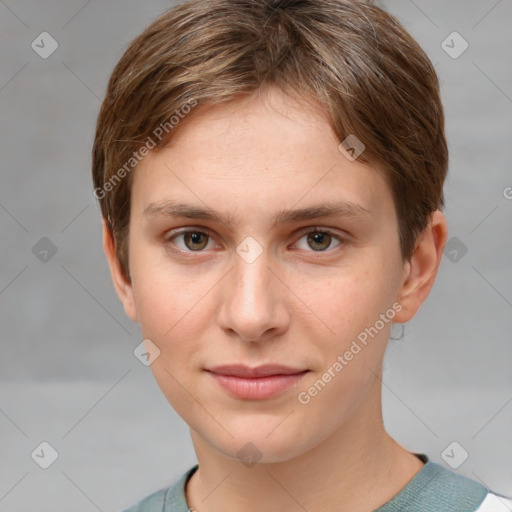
{"x": 343, "y": 240}
{"x": 180, "y": 231}
{"x": 321, "y": 229}
{"x": 299, "y": 233}
{"x": 169, "y": 236}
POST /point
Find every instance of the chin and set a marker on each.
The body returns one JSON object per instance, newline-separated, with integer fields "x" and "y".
{"x": 255, "y": 445}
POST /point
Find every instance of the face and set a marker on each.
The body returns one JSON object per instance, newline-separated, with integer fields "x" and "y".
{"x": 257, "y": 284}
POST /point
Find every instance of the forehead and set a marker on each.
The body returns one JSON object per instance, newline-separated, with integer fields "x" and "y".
{"x": 266, "y": 125}
{"x": 262, "y": 155}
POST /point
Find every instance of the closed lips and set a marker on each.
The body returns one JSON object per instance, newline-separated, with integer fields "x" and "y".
{"x": 243, "y": 371}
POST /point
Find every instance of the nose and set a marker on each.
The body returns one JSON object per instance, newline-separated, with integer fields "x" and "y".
{"x": 254, "y": 304}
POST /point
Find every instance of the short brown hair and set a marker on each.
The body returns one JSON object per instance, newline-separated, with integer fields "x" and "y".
{"x": 358, "y": 61}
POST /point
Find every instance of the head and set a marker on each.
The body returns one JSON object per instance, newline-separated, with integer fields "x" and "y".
{"x": 229, "y": 119}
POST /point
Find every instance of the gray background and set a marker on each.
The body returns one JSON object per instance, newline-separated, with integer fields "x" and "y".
{"x": 67, "y": 369}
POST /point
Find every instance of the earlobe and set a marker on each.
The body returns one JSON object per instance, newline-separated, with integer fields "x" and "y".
{"x": 124, "y": 288}
{"x": 420, "y": 272}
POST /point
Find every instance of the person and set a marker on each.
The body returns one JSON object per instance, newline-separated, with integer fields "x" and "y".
{"x": 270, "y": 176}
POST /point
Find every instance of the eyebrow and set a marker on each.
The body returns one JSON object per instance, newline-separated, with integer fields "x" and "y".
{"x": 169, "y": 208}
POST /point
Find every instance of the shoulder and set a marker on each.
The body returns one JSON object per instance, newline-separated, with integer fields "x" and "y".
{"x": 446, "y": 490}
{"x": 457, "y": 492}
{"x": 170, "y": 499}
{"x": 460, "y": 488}
{"x": 495, "y": 502}
{"x": 437, "y": 488}
{"x": 154, "y": 502}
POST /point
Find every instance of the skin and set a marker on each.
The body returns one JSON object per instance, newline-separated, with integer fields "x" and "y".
{"x": 300, "y": 303}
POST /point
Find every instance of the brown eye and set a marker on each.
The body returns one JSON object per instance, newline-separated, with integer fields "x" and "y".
{"x": 193, "y": 241}
{"x": 196, "y": 239}
{"x": 319, "y": 240}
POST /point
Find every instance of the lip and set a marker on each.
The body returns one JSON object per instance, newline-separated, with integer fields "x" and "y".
{"x": 256, "y": 383}
{"x": 240, "y": 370}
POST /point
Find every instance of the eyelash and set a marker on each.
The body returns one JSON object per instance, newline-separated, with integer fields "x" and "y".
{"x": 169, "y": 239}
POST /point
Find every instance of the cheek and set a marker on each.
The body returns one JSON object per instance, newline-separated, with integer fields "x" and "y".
{"x": 348, "y": 299}
{"x": 351, "y": 351}
{"x": 166, "y": 296}
{"x": 352, "y": 337}
{"x": 170, "y": 312}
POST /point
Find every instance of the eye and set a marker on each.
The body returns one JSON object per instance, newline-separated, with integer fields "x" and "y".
{"x": 320, "y": 239}
{"x": 194, "y": 240}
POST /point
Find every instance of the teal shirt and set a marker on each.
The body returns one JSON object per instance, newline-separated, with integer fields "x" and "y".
{"x": 433, "y": 489}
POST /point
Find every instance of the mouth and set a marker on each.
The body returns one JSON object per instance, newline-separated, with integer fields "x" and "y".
{"x": 258, "y": 383}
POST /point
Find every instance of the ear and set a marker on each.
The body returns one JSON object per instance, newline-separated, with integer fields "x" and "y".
{"x": 123, "y": 287}
{"x": 420, "y": 271}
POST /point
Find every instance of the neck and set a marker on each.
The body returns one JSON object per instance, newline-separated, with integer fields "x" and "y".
{"x": 359, "y": 467}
